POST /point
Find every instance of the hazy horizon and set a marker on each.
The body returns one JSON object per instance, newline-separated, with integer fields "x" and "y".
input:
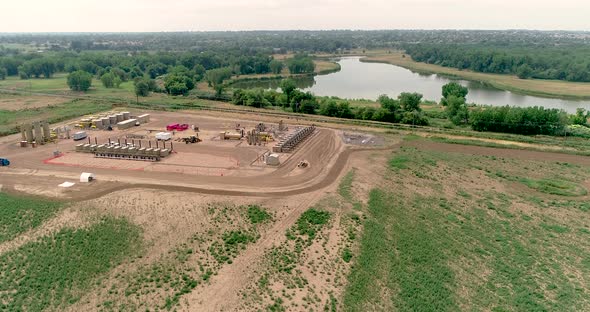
{"x": 276, "y": 15}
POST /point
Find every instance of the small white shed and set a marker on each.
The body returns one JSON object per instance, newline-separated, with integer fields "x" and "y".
{"x": 272, "y": 160}
{"x": 87, "y": 177}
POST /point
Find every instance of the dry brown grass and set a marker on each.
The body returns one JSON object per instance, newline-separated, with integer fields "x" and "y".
{"x": 17, "y": 102}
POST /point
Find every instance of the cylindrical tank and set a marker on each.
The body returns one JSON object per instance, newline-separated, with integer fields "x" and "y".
{"x": 126, "y": 115}
{"x": 233, "y": 136}
{"x": 46, "y": 131}
{"x": 113, "y": 119}
{"x": 97, "y": 123}
{"x": 29, "y": 133}
{"x": 119, "y": 117}
{"x": 38, "y": 132}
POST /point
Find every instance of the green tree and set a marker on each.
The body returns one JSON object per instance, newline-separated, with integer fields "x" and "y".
{"x": 457, "y": 110}
{"x": 388, "y": 103}
{"x": 3, "y": 73}
{"x": 80, "y": 80}
{"x": 142, "y": 88}
{"x": 216, "y": 77}
{"x": 108, "y": 80}
{"x": 410, "y": 101}
{"x": 455, "y": 89}
{"x": 581, "y": 117}
{"x": 301, "y": 64}
{"x": 308, "y": 106}
{"x": 276, "y": 67}
{"x": 524, "y": 71}
{"x": 177, "y": 88}
{"x": 178, "y": 84}
{"x": 288, "y": 87}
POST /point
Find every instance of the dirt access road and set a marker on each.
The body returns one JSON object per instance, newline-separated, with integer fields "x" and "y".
{"x": 324, "y": 151}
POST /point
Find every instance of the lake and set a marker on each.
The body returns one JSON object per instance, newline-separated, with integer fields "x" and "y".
{"x": 358, "y": 80}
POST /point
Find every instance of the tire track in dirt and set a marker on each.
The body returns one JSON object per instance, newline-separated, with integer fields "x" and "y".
{"x": 224, "y": 287}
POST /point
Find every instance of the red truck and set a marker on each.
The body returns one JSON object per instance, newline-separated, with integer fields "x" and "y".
{"x": 177, "y": 127}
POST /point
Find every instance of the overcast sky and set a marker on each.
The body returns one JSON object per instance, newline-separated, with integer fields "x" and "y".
{"x": 196, "y": 15}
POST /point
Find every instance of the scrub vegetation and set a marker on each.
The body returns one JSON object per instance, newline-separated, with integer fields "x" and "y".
{"x": 19, "y": 214}
{"x": 57, "y": 270}
{"x": 436, "y": 240}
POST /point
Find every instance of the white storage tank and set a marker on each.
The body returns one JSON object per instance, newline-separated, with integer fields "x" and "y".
{"x": 273, "y": 160}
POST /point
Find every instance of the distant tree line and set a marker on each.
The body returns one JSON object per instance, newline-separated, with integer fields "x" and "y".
{"x": 180, "y": 71}
{"x": 531, "y": 61}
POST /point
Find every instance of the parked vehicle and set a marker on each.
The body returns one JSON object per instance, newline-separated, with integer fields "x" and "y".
{"x": 177, "y": 127}
{"x": 4, "y": 162}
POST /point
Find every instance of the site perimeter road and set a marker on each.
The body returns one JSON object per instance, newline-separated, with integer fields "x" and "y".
{"x": 324, "y": 152}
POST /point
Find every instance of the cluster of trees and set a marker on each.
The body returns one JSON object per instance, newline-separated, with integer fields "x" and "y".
{"x": 301, "y": 64}
{"x": 528, "y": 61}
{"x": 519, "y": 120}
{"x": 45, "y": 67}
{"x": 79, "y": 80}
{"x": 405, "y": 109}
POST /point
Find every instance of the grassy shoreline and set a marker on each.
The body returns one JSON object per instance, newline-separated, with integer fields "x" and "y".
{"x": 534, "y": 87}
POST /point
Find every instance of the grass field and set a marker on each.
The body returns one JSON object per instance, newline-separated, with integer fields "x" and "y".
{"x": 19, "y": 214}
{"x": 546, "y": 88}
{"x": 57, "y": 270}
{"x": 456, "y": 232}
{"x": 58, "y": 85}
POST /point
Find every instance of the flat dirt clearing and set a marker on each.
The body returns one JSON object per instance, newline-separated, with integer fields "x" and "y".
{"x": 17, "y": 102}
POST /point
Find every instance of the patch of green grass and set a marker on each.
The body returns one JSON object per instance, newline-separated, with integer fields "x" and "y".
{"x": 310, "y": 222}
{"x": 399, "y": 162}
{"x": 346, "y": 255}
{"x": 231, "y": 244}
{"x": 345, "y": 187}
{"x": 555, "y": 187}
{"x": 555, "y": 228}
{"x": 57, "y": 270}
{"x": 422, "y": 253}
{"x": 19, "y": 214}
{"x": 401, "y": 252}
{"x": 257, "y": 214}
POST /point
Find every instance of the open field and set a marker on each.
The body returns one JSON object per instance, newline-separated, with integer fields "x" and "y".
{"x": 199, "y": 238}
{"x": 547, "y": 88}
{"x": 319, "y": 238}
{"x": 11, "y": 102}
{"x": 474, "y": 228}
{"x": 378, "y": 220}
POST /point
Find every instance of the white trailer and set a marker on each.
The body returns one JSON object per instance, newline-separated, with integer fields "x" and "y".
{"x": 80, "y": 135}
{"x": 163, "y": 136}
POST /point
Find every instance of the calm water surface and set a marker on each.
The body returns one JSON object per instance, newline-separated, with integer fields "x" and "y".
{"x": 357, "y": 80}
